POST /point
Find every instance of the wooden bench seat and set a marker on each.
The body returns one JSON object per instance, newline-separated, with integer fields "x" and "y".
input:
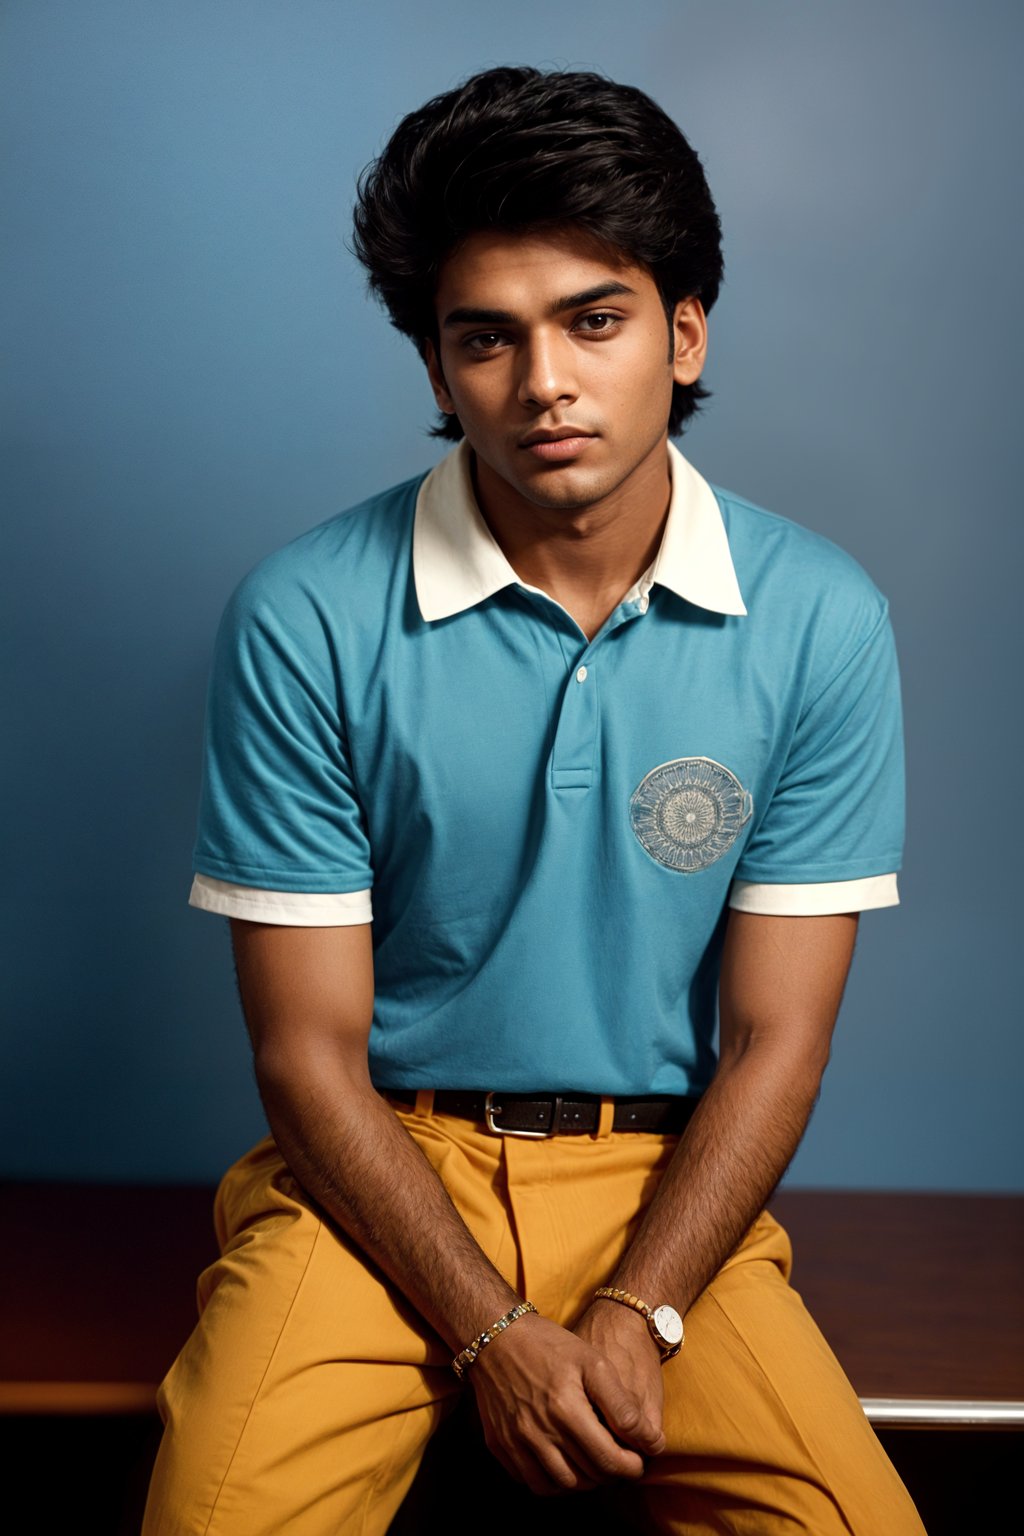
{"x": 920, "y": 1295}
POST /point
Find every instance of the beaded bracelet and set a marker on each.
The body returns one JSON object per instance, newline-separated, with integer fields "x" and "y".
{"x": 464, "y": 1359}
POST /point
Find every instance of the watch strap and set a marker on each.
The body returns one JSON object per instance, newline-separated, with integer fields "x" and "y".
{"x": 647, "y": 1312}
{"x": 611, "y": 1293}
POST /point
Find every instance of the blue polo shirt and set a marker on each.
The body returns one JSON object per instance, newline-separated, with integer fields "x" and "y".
{"x": 551, "y": 830}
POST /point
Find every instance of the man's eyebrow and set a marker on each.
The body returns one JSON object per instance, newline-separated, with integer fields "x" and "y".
{"x": 607, "y": 290}
{"x": 466, "y": 315}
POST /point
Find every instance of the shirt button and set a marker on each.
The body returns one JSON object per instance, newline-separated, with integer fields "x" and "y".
{"x": 642, "y": 604}
{"x": 581, "y": 675}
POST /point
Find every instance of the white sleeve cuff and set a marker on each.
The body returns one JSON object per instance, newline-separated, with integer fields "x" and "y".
{"x": 814, "y": 900}
{"x": 294, "y": 909}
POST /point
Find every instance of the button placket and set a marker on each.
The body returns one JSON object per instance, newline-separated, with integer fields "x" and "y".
{"x": 574, "y": 755}
{"x": 575, "y": 746}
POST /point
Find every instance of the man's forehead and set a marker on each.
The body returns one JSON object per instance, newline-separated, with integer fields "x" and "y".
{"x": 499, "y": 269}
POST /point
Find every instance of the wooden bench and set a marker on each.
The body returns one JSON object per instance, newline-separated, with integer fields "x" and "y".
{"x": 920, "y": 1295}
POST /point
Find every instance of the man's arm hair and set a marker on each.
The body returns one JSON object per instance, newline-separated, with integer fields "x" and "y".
{"x": 781, "y": 985}
{"x": 307, "y": 995}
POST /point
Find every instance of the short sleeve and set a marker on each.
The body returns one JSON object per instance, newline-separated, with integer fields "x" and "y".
{"x": 279, "y": 809}
{"x": 837, "y": 811}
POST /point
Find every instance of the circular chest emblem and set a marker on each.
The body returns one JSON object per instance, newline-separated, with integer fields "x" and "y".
{"x": 689, "y": 812}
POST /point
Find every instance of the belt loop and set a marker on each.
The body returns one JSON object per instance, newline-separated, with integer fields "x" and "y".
{"x": 424, "y": 1102}
{"x": 604, "y": 1123}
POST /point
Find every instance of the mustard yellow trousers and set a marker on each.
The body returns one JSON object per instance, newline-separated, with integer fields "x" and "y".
{"x": 303, "y": 1401}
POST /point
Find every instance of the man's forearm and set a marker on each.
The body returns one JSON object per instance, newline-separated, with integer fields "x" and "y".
{"x": 735, "y": 1150}
{"x": 782, "y": 982}
{"x": 353, "y": 1155}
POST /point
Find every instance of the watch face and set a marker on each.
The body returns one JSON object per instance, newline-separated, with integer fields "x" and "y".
{"x": 669, "y": 1324}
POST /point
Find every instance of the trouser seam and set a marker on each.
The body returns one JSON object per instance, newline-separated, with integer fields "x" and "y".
{"x": 262, "y": 1380}
{"x": 824, "y": 1481}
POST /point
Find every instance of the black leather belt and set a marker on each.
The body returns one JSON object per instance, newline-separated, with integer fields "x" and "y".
{"x": 566, "y": 1114}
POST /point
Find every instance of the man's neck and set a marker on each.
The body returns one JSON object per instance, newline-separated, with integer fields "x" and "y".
{"x": 586, "y": 558}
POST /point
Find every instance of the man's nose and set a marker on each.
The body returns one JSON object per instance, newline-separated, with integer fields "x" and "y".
{"x": 548, "y": 372}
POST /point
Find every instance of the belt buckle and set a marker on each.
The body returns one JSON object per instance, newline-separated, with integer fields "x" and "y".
{"x": 501, "y": 1130}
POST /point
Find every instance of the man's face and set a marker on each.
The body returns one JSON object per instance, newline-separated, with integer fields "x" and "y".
{"x": 556, "y": 357}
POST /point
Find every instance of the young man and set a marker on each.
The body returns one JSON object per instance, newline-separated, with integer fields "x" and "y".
{"x": 606, "y": 745}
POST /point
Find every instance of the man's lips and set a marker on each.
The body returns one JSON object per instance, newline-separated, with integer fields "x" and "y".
{"x": 558, "y": 444}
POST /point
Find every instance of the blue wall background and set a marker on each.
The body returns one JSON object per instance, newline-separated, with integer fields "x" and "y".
{"x": 193, "y": 375}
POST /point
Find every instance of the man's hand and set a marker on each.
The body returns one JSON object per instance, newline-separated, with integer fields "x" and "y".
{"x": 556, "y": 1410}
{"x": 622, "y": 1336}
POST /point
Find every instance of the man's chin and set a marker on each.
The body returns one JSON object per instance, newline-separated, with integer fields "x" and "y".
{"x": 568, "y": 487}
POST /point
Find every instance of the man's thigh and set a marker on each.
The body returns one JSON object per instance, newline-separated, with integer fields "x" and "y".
{"x": 306, "y": 1394}
{"x": 765, "y": 1433}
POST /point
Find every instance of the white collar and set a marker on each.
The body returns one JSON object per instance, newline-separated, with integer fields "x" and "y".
{"x": 457, "y": 562}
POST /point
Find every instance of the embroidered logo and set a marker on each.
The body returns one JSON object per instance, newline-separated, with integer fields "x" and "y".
{"x": 689, "y": 812}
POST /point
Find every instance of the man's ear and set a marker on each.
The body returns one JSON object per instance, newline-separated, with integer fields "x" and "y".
{"x": 444, "y": 400}
{"x": 689, "y": 341}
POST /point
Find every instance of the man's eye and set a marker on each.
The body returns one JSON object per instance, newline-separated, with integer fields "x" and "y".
{"x": 597, "y": 322}
{"x": 483, "y": 341}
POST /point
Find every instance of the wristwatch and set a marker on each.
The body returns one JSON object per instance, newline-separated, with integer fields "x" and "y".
{"x": 664, "y": 1324}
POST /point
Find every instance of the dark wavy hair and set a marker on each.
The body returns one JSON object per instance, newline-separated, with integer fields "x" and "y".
{"x": 518, "y": 149}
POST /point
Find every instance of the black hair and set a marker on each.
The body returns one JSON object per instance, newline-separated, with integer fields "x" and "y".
{"x": 517, "y": 149}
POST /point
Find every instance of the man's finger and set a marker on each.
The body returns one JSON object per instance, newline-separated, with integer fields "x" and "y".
{"x": 622, "y": 1410}
{"x": 543, "y": 1466}
{"x": 559, "y": 1472}
{"x": 592, "y": 1446}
